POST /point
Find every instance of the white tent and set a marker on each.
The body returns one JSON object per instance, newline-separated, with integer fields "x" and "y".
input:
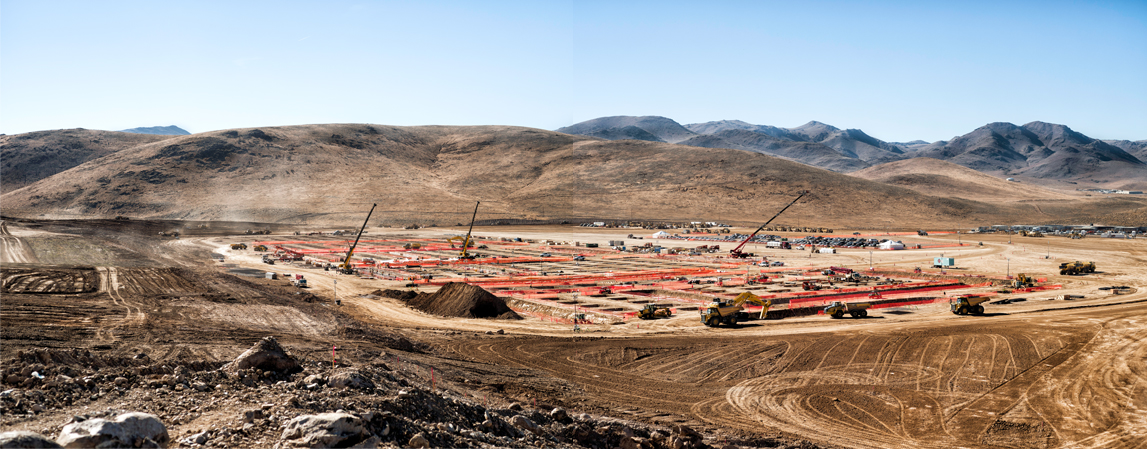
{"x": 891, "y": 245}
{"x": 660, "y": 234}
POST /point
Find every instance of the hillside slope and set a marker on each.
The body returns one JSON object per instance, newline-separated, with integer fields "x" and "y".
{"x": 809, "y": 153}
{"x": 30, "y": 157}
{"x": 330, "y": 174}
{"x": 935, "y": 177}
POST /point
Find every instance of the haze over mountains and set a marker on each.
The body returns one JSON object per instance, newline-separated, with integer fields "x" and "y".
{"x": 1036, "y": 151}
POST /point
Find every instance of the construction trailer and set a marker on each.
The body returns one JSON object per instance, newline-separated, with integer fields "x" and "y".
{"x": 943, "y": 262}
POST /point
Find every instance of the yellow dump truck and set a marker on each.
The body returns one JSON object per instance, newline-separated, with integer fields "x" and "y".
{"x": 857, "y": 309}
{"x": 238, "y": 246}
{"x": 964, "y": 305}
{"x": 1076, "y": 267}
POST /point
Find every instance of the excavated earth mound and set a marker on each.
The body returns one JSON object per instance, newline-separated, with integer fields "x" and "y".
{"x": 461, "y": 300}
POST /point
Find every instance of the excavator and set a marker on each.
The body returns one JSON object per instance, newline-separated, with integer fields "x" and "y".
{"x": 738, "y": 254}
{"x": 729, "y": 312}
{"x": 345, "y": 267}
{"x": 465, "y": 254}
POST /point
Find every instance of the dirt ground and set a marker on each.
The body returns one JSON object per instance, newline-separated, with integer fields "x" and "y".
{"x": 1043, "y": 372}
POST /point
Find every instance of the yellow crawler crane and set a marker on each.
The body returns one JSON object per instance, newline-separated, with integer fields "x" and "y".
{"x": 729, "y": 312}
{"x": 466, "y": 243}
{"x": 346, "y": 267}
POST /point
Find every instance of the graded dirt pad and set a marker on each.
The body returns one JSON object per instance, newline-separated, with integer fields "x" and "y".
{"x": 457, "y": 299}
{"x": 1037, "y": 373}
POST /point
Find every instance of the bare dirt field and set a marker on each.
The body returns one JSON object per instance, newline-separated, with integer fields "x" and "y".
{"x": 1059, "y": 364}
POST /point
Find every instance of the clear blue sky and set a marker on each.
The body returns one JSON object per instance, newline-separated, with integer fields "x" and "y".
{"x": 898, "y": 70}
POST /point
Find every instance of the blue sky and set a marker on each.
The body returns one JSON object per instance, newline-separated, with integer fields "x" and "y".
{"x": 898, "y": 70}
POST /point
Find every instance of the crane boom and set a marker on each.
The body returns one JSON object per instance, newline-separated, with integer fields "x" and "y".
{"x": 346, "y": 268}
{"x": 736, "y": 252}
{"x": 466, "y": 243}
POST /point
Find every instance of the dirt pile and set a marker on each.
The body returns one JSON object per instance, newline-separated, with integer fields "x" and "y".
{"x": 457, "y": 299}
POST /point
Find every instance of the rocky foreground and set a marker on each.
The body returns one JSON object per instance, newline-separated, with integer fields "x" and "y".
{"x": 268, "y": 398}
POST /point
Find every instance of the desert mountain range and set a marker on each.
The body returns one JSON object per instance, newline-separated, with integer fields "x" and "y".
{"x": 330, "y": 174}
{"x": 171, "y": 130}
{"x": 1036, "y": 152}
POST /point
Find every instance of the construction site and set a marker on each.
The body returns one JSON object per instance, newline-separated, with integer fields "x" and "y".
{"x": 710, "y": 338}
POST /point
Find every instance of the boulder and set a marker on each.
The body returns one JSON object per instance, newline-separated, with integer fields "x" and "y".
{"x": 418, "y": 441}
{"x": 126, "y": 430}
{"x": 325, "y": 430}
{"x": 23, "y": 439}
{"x": 525, "y": 423}
{"x": 559, "y": 414}
{"x": 349, "y": 378}
{"x": 266, "y": 355}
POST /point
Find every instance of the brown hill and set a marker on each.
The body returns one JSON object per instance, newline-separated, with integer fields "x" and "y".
{"x": 1041, "y": 150}
{"x": 329, "y": 174}
{"x": 935, "y": 177}
{"x": 30, "y": 157}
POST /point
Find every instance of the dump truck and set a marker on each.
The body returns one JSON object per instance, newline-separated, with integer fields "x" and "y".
{"x": 1076, "y": 267}
{"x": 964, "y": 305}
{"x": 729, "y": 312}
{"x": 238, "y": 246}
{"x": 260, "y": 247}
{"x": 654, "y": 311}
{"x": 857, "y": 309}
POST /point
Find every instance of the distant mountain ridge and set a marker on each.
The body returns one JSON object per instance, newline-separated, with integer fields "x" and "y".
{"x": 1037, "y": 150}
{"x": 158, "y": 130}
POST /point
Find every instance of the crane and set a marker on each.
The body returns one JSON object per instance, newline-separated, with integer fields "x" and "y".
{"x": 736, "y": 252}
{"x": 466, "y": 243}
{"x": 345, "y": 267}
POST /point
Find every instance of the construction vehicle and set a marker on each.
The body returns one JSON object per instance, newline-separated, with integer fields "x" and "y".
{"x": 412, "y": 246}
{"x": 857, "y": 309}
{"x": 921, "y": 232}
{"x": 346, "y": 267}
{"x": 729, "y": 312}
{"x": 238, "y": 246}
{"x": 1022, "y": 281}
{"x": 1076, "y": 267}
{"x": 736, "y": 253}
{"x": 653, "y": 311}
{"x": 964, "y": 305}
{"x": 809, "y": 285}
{"x": 260, "y": 247}
{"x": 465, "y": 254}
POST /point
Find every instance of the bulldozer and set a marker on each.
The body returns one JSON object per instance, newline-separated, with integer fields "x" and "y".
{"x": 653, "y": 311}
{"x": 1076, "y": 267}
{"x": 729, "y": 312}
{"x": 1022, "y": 281}
{"x": 857, "y": 309}
{"x": 238, "y": 246}
{"x": 964, "y": 305}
